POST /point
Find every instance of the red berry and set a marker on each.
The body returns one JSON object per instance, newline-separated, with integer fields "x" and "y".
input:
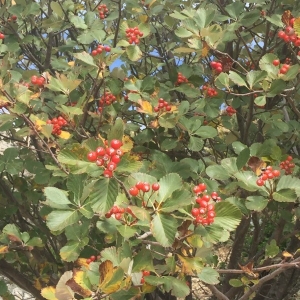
{"x": 100, "y": 151}
{"x": 276, "y": 62}
{"x": 116, "y": 144}
{"x": 155, "y": 186}
{"x": 93, "y": 258}
{"x": 116, "y": 159}
{"x": 142, "y": 280}
{"x": 195, "y": 212}
{"x": 111, "y": 166}
{"x": 146, "y": 273}
{"x": 118, "y": 216}
{"x": 107, "y": 173}
{"x": 260, "y": 182}
{"x": 146, "y": 187}
{"x": 289, "y": 158}
{"x": 92, "y": 156}
{"x": 133, "y": 191}
{"x": 211, "y": 214}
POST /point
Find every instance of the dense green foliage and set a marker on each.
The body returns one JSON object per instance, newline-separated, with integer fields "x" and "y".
{"x": 200, "y": 99}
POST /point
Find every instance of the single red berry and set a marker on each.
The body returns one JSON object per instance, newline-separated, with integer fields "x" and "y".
{"x": 276, "y": 62}
{"x": 211, "y": 214}
{"x": 100, "y": 151}
{"x": 155, "y": 186}
{"x": 116, "y": 159}
{"x": 14, "y": 17}
{"x": 146, "y": 273}
{"x": 88, "y": 261}
{"x": 195, "y": 212}
{"x": 133, "y": 191}
{"x": 260, "y": 182}
{"x": 93, "y": 258}
{"x": 116, "y": 144}
{"x": 118, "y": 216}
{"x": 107, "y": 173}
{"x": 146, "y": 187}
{"x": 142, "y": 280}
{"x": 92, "y": 156}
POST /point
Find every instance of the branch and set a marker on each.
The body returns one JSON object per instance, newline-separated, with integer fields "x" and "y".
{"x": 216, "y": 292}
{"x": 265, "y": 279}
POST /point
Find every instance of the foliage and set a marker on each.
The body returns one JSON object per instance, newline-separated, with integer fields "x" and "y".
{"x": 195, "y": 105}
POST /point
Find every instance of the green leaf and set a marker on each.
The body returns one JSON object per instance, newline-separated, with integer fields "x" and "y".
{"x": 56, "y": 196}
{"x": 206, "y": 132}
{"x": 260, "y": 100}
{"x": 164, "y": 228}
{"x": 171, "y": 284}
{"x": 12, "y": 232}
{"x": 209, "y": 275}
{"x": 236, "y": 78}
{"x": 3, "y": 288}
{"x": 285, "y": 195}
{"x": 217, "y": 172}
{"x": 78, "y": 22}
{"x": 275, "y": 19}
{"x": 235, "y": 282}
{"x": 272, "y": 249}
{"x": 126, "y": 231}
{"x": 289, "y": 182}
{"x": 183, "y": 33}
{"x": 276, "y": 88}
{"x": 176, "y": 201}
{"x": 243, "y": 158}
{"x": 222, "y": 81}
{"x": 104, "y": 195}
{"x": 134, "y": 52}
{"x": 195, "y": 143}
{"x": 256, "y": 203}
{"x": 60, "y": 219}
{"x": 116, "y": 131}
{"x": 168, "y": 184}
{"x": 71, "y": 251}
{"x": 125, "y": 294}
{"x": 235, "y": 9}
{"x": 143, "y": 261}
{"x": 85, "y": 58}
{"x": 254, "y": 77}
{"x": 228, "y": 216}
{"x": 76, "y": 184}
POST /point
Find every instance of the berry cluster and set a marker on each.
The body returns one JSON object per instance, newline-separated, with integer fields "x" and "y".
{"x": 143, "y": 187}
{"x": 100, "y": 49}
{"x": 181, "y": 79}
{"x": 230, "y": 111}
{"x": 284, "y": 68}
{"x": 108, "y": 157}
{"x": 103, "y": 11}
{"x": 39, "y": 81}
{"x": 287, "y": 165}
{"x": 209, "y": 91}
{"x": 92, "y": 258}
{"x": 217, "y": 66}
{"x": 2, "y": 36}
{"x": 267, "y": 174}
{"x": 118, "y": 212}
{"x": 145, "y": 273}
{"x": 205, "y": 213}
{"x": 107, "y": 99}
{"x": 162, "y": 106}
{"x": 289, "y": 35}
{"x": 133, "y": 35}
{"x": 57, "y": 123}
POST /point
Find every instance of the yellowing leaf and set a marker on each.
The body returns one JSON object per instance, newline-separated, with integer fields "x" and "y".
{"x": 286, "y": 254}
{"x": 78, "y": 285}
{"x": 127, "y": 143}
{"x": 190, "y": 265}
{"x": 39, "y": 123}
{"x": 3, "y": 249}
{"x": 297, "y": 26}
{"x": 110, "y": 277}
{"x": 48, "y": 293}
{"x": 286, "y": 16}
{"x": 71, "y": 63}
{"x": 147, "y": 288}
{"x": 143, "y": 18}
{"x": 145, "y": 107}
{"x": 205, "y": 49}
{"x": 81, "y": 262}
{"x": 36, "y": 95}
{"x": 37, "y": 284}
{"x": 65, "y": 135}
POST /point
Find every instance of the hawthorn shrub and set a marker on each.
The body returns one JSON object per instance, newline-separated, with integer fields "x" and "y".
{"x": 143, "y": 136}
